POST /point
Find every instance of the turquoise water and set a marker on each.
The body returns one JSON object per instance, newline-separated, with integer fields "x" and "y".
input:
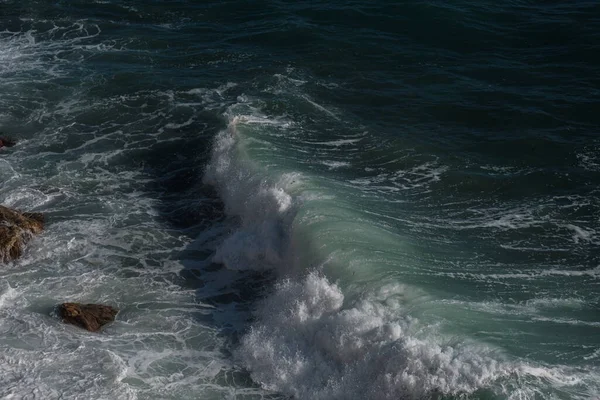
{"x": 334, "y": 200}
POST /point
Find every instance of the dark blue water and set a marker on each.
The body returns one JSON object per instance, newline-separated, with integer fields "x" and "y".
{"x": 325, "y": 200}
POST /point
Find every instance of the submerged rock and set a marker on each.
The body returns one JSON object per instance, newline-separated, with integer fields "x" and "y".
{"x": 87, "y": 316}
{"x": 7, "y": 142}
{"x": 16, "y": 229}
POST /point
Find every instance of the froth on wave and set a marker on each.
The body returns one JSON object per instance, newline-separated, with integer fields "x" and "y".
{"x": 309, "y": 341}
{"x": 266, "y": 209}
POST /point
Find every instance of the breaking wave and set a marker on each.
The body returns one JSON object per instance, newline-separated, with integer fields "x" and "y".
{"x": 319, "y": 333}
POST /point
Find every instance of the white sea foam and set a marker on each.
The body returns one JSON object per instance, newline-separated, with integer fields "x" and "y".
{"x": 321, "y": 108}
{"x": 25, "y": 51}
{"x": 530, "y": 307}
{"x": 211, "y": 98}
{"x": 311, "y": 342}
{"x": 584, "y": 235}
{"x": 589, "y": 158}
{"x": 336, "y": 164}
{"x": 419, "y": 176}
{"x": 530, "y": 274}
{"x": 339, "y": 142}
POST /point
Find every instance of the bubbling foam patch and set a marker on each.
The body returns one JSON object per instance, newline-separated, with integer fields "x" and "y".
{"x": 308, "y": 343}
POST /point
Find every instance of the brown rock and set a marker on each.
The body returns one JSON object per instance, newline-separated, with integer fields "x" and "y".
{"x": 87, "y": 316}
{"x": 16, "y": 229}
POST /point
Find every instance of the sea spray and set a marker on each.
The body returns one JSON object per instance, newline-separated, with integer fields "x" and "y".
{"x": 311, "y": 343}
{"x": 267, "y": 210}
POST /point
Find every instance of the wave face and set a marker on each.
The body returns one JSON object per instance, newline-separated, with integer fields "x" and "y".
{"x": 334, "y": 200}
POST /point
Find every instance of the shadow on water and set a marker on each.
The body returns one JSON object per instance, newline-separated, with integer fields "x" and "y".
{"x": 193, "y": 209}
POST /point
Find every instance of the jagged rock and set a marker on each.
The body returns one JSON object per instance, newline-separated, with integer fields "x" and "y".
{"x": 16, "y": 229}
{"x": 7, "y": 142}
{"x": 87, "y": 316}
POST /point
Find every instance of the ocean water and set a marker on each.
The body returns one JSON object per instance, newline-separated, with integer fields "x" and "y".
{"x": 303, "y": 200}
